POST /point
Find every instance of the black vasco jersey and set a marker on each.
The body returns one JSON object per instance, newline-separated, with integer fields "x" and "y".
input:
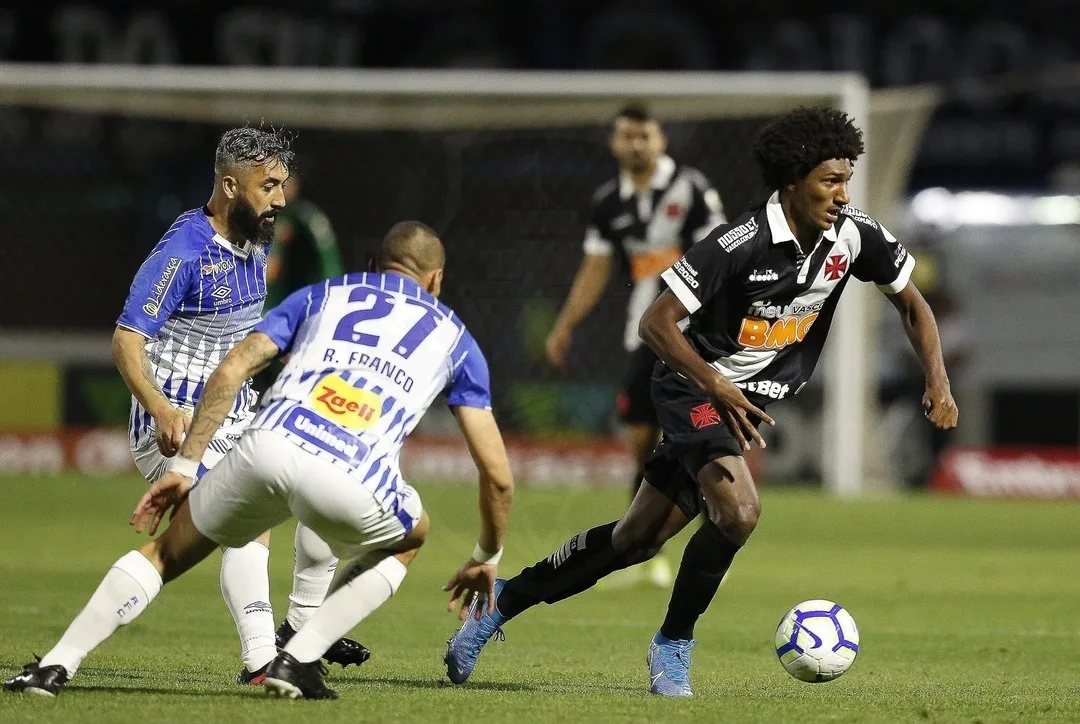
{"x": 649, "y": 231}
{"x": 759, "y": 310}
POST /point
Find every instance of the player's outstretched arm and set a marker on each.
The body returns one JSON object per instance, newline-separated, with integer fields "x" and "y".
{"x": 129, "y": 354}
{"x": 253, "y": 353}
{"x": 922, "y": 332}
{"x": 477, "y": 575}
{"x": 659, "y": 328}
{"x": 589, "y": 283}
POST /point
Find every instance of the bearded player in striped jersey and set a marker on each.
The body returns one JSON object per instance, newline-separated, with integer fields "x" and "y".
{"x": 199, "y": 292}
{"x": 759, "y": 294}
{"x": 368, "y": 353}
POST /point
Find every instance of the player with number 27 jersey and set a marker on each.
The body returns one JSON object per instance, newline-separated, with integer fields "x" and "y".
{"x": 368, "y": 353}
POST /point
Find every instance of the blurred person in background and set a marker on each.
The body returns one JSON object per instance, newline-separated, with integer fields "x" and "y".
{"x": 646, "y": 217}
{"x": 304, "y": 251}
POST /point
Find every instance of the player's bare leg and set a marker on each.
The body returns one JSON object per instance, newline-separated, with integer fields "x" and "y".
{"x": 651, "y": 520}
{"x": 358, "y": 590}
{"x": 657, "y": 570}
{"x": 732, "y": 510}
{"x": 589, "y": 556}
{"x": 127, "y": 589}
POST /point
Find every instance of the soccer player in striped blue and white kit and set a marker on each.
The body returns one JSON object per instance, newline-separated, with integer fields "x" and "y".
{"x": 199, "y": 292}
{"x": 367, "y": 355}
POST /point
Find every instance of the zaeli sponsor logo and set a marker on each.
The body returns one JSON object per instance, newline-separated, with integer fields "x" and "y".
{"x": 348, "y": 406}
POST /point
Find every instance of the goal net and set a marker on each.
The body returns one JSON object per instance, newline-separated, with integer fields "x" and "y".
{"x": 98, "y": 160}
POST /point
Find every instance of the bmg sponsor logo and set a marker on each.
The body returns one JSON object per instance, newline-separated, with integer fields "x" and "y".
{"x": 763, "y": 334}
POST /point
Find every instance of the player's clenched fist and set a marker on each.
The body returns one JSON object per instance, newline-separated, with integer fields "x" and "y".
{"x": 940, "y": 407}
{"x": 171, "y": 428}
{"x": 557, "y": 344}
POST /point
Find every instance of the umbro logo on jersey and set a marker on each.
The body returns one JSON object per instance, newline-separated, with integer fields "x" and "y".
{"x": 763, "y": 276}
{"x": 223, "y": 295}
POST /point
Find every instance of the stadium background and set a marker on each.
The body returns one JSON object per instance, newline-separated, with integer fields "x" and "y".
{"x": 966, "y": 606}
{"x": 89, "y": 192}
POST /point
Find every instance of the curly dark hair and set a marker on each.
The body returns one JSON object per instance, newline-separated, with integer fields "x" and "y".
{"x": 248, "y": 146}
{"x": 788, "y": 148}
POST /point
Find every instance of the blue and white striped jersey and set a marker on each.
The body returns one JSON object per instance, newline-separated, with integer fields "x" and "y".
{"x": 368, "y": 353}
{"x": 194, "y": 298}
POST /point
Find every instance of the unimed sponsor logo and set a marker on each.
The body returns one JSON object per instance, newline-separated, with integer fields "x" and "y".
{"x": 1007, "y": 472}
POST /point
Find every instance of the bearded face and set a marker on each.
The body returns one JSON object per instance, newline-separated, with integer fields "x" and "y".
{"x": 258, "y": 228}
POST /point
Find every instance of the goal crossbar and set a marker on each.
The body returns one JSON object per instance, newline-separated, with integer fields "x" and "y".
{"x": 456, "y": 100}
{"x": 409, "y": 99}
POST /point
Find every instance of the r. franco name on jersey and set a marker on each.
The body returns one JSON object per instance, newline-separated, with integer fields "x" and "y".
{"x": 384, "y": 367}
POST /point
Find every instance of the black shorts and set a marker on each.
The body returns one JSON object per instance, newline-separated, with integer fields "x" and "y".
{"x": 693, "y": 435}
{"x": 635, "y": 403}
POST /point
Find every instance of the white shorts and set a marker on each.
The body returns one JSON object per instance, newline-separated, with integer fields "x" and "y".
{"x": 152, "y": 464}
{"x": 266, "y": 479}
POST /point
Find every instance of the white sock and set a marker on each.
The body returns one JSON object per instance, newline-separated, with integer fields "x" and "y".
{"x": 315, "y": 566}
{"x": 125, "y": 592}
{"x": 245, "y": 585}
{"x": 346, "y": 607}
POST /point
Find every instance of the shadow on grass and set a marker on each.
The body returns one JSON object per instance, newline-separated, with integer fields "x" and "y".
{"x": 506, "y": 686}
{"x": 253, "y": 692}
{"x": 436, "y": 684}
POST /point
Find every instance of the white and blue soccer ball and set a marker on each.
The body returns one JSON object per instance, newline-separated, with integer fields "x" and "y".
{"x": 817, "y": 641}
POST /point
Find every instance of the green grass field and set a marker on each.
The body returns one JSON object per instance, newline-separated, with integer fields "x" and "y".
{"x": 968, "y": 611}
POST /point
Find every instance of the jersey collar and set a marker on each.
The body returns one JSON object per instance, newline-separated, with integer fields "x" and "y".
{"x": 240, "y": 251}
{"x": 778, "y": 225}
{"x": 665, "y": 169}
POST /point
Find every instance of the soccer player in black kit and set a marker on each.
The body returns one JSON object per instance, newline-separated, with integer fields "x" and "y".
{"x": 641, "y": 221}
{"x": 760, "y": 294}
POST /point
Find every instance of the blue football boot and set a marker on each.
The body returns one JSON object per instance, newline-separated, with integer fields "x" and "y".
{"x": 463, "y": 648}
{"x": 669, "y": 666}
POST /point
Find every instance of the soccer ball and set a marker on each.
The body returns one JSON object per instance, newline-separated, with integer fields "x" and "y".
{"x": 817, "y": 641}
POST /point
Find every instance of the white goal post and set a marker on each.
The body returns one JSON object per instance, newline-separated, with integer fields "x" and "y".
{"x": 343, "y": 99}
